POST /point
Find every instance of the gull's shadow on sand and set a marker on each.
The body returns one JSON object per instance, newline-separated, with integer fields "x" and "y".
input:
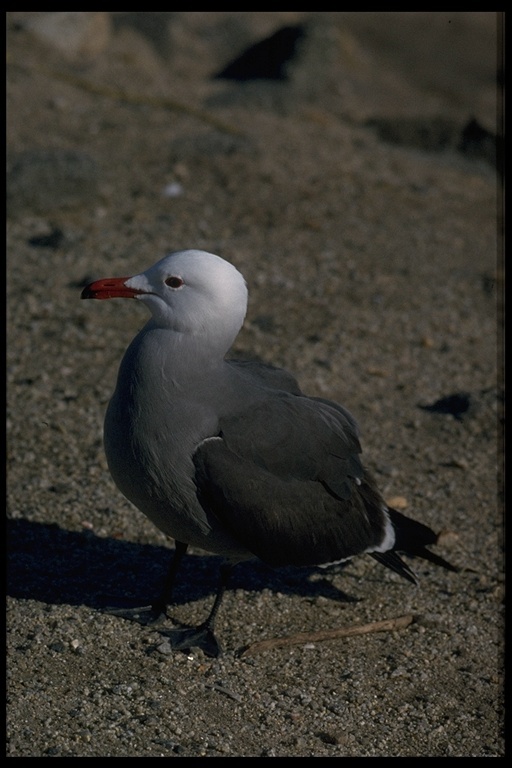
{"x": 55, "y": 566}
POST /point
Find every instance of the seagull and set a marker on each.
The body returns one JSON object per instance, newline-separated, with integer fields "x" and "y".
{"x": 231, "y": 456}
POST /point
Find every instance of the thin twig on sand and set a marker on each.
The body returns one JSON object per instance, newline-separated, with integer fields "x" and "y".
{"x": 388, "y": 625}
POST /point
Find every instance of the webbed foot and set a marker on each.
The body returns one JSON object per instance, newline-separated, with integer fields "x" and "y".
{"x": 198, "y": 637}
{"x": 146, "y": 614}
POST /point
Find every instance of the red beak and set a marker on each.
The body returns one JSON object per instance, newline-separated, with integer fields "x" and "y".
{"x": 109, "y": 288}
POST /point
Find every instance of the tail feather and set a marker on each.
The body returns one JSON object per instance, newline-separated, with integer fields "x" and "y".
{"x": 426, "y": 554}
{"x": 392, "y": 560}
{"x": 412, "y": 538}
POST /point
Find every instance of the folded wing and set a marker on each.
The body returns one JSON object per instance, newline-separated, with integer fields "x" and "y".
{"x": 286, "y": 479}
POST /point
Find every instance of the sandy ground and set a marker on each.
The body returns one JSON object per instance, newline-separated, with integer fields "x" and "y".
{"x": 359, "y": 197}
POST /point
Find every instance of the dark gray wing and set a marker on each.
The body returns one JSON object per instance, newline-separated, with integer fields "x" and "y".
{"x": 297, "y": 438}
{"x": 285, "y": 479}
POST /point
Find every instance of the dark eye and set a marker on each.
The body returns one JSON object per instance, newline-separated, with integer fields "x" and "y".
{"x": 174, "y": 282}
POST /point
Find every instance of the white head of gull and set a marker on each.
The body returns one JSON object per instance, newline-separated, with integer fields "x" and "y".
{"x": 230, "y": 456}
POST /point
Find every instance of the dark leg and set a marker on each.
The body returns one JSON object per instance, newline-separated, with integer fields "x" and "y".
{"x": 157, "y": 611}
{"x": 160, "y": 605}
{"x": 203, "y": 636}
